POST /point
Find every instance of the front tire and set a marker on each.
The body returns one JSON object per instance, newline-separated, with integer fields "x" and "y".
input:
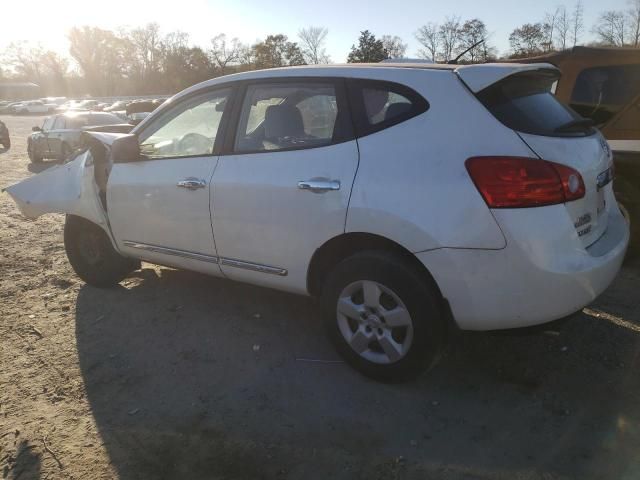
{"x": 65, "y": 152}
{"x": 384, "y": 316}
{"x": 92, "y": 256}
{"x": 31, "y": 151}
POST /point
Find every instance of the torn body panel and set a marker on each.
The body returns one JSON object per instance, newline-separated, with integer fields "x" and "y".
{"x": 70, "y": 188}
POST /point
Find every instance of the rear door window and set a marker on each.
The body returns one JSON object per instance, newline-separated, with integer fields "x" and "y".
{"x": 524, "y": 102}
{"x": 290, "y": 115}
{"x": 601, "y": 92}
{"x": 379, "y": 104}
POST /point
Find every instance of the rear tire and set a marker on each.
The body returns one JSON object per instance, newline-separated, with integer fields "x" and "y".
{"x": 92, "y": 256}
{"x": 396, "y": 330}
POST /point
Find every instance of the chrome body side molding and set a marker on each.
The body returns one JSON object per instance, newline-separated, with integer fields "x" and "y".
{"x": 230, "y": 262}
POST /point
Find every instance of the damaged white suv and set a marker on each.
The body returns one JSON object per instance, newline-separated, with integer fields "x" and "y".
{"x": 406, "y": 197}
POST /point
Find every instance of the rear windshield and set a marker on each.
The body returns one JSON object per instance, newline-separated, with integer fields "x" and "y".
{"x": 525, "y": 103}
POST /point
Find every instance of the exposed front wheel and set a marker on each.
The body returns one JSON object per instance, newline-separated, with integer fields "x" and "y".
{"x": 92, "y": 256}
{"x": 384, "y": 317}
{"x": 65, "y": 151}
{"x": 31, "y": 151}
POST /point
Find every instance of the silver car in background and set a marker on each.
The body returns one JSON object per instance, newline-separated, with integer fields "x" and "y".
{"x": 60, "y": 134}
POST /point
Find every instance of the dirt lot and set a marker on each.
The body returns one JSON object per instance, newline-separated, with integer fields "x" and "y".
{"x": 177, "y": 375}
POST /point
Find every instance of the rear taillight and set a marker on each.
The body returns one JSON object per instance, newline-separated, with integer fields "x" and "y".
{"x": 516, "y": 182}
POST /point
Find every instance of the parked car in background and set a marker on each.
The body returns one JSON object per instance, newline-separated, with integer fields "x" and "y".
{"x": 119, "y": 105}
{"x": 60, "y": 134}
{"x": 33, "y": 106}
{"x": 406, "y": 197}
{"x": 4, "y": 136}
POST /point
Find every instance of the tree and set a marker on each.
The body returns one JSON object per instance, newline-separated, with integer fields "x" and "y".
{"x": 611, "y": 28}
{"x": 369, "y": 50}
{"x": 100, "y": 56}
{"x": 427, "y": 36}
{"x": 312, "y": 41}
{"x": 471, "y": 33}
{"x": 549, "y": 26}
{"x": 449, "y": 34}
{"x": 633, "y": 16}
{"x": 277, "y": 51}
{"x": 527, "y": 40}
{"x": 224, "y": 53}
{"x": 32, "y": 63}
{"x": 564, "y": 27}
{"x": 577, "y": 22}
{"x": 394, "y": 46}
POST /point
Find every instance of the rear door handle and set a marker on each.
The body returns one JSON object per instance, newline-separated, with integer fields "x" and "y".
{"x": 192, "y": 183}
{"x": 319, "y": 185}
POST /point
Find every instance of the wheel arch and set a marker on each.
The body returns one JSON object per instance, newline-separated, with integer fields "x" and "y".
{"x": 342, "y": 246}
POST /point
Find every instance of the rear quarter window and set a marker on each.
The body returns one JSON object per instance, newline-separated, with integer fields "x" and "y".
{"x": 524, "y": 102}
{"x": 378, "y": 105}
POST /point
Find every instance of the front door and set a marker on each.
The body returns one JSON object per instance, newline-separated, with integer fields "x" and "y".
{"x": 158, "y": 207}
{"x": 283, "y": 187}
{"x": 39, "y": 139}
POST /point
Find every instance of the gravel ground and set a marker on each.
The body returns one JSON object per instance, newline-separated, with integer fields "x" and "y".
{"x": 177, "y": 375}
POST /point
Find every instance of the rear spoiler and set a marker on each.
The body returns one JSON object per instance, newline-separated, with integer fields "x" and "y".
{"x": 479, "y": 77}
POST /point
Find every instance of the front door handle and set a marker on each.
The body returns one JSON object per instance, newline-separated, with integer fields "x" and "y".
{"x": 192, "y": 183}
{"x": 319, "y": 185}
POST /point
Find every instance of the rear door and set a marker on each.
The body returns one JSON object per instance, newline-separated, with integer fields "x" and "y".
{"x": 523, "y": 101}
{"x": 282, "y": 188}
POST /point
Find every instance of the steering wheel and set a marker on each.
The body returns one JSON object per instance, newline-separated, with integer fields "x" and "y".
{"x": 194, "y": 144}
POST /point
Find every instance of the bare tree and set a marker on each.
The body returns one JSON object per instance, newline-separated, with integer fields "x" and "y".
{"x": 449, "y": 34}
{"x": 312, "y": 40}
{"x": 473, "y": 35}
{"x": 611, "y": 28}
{"x": 427, "y": 35}
{"x": 224, "y": 53}
{"x": 394, "y": 46}
{"x": 633, "y": 16}
{"x": 564, "y": 27}
{"x": 577, "y": 22}
{"x": 550, "y": 24}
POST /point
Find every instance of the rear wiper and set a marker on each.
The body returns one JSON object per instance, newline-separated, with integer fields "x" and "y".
{"x": 580, "y": 122}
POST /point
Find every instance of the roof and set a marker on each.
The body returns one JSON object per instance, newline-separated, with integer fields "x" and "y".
{"x": 579, "y": 51}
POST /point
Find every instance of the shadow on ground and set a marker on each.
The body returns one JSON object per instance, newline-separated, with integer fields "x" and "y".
{"x": 194, "y": 377}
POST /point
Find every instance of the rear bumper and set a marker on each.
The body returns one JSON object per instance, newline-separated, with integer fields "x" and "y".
{"x": 532, "y": 280}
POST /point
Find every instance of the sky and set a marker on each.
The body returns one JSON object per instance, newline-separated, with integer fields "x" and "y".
{"x": 251, "y": 20}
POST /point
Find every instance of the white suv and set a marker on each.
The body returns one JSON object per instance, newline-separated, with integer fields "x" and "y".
{"x": 407, "y": 198}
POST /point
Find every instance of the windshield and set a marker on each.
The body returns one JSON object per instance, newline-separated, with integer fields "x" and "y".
{"x": 93, "y": 120}
{"x": 525, "y": 103}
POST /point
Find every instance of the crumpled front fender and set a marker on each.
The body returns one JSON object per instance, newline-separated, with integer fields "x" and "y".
{"x": 68, "y": 188}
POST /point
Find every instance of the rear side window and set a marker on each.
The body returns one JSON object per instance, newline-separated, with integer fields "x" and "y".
{"x": 524, "y": 102}
{"x": 601, "y": 92}
{"x": 378, "y": 104}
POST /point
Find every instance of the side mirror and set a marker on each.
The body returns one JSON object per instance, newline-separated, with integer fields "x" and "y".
{"x": 36, "y": 129}
{"x": 125, "y": 149}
